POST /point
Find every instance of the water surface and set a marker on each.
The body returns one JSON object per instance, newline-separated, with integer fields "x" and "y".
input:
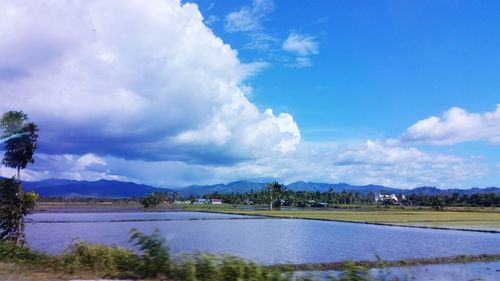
{"x": 484, "y": 271}
{"x": 262, "y": 240}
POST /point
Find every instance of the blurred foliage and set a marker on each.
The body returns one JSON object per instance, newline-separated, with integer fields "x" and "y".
{"x": 153, "y": 261}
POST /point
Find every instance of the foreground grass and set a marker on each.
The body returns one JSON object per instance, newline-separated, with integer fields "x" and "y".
{"x": 152, "y": 262}
{"x": 471, "y": 220}
{"x": 93, "y": 261}
{"x": 21, "y": 272}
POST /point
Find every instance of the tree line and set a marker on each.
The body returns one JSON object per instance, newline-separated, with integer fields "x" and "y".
{"x": 288, "y": 198}
{"x": 331, "y": 198}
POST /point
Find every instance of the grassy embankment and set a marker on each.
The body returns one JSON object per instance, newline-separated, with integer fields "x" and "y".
{"x": 476, "y": 219}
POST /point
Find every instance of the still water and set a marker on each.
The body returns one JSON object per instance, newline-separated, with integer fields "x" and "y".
{"x": 263, "y": 240}
{"x": 484, "y": 271}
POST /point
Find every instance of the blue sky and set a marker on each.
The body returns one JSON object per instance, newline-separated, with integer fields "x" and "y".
{"x": 400, "y": 93}
{"x": 381, "y": 66}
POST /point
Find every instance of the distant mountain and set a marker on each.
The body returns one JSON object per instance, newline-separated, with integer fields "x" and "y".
{"x": 246, "y": 186}
{"x": 338, "y": 187}
{"x": 96, "y": 189}
{"x": 233, "y": 187}
{"x": 119, "y": 189}
{"x": 431, "y": 190}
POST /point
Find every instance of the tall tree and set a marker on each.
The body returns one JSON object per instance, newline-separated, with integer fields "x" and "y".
{"x": 273, "y": 187}
{"x": 21, "y": 138}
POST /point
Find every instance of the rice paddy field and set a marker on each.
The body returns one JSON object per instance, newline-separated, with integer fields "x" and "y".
{"x": 485, "y": 220}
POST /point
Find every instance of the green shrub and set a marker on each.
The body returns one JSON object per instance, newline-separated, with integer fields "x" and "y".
{"x": 354, "y": 272}
{"x": 206, "y": 267}
{"x": 186, "y": 270}
{"x": 10, "y": 252}
{"x": 99, "y": 258}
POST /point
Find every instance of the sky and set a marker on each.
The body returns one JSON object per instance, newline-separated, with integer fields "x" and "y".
{"x": 172, "y": 93}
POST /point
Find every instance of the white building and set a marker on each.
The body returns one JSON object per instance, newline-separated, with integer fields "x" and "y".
{"x": 216, "y": 201}
{"x": 387, "y": 197}
{"x": 201, "y": 201}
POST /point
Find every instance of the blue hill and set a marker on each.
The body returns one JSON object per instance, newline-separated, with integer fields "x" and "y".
{"x": 120, "y": 189}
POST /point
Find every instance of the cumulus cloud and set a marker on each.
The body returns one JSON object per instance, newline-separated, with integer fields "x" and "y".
{"x": 455, "y": 126}
{"x": 151, "y": 82}
{"x": 249, "y": 18}
{"x": 152, "y": 95}
{"x": 371, "y": 162}
{"x": 301, "y": 44}
{"x": 85, "y": 167}
{"x": 389, "y": 163}
{"x": 386, "y": 162}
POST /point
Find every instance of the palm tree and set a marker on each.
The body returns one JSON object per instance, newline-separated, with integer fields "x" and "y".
{"x": 274, "y": 187}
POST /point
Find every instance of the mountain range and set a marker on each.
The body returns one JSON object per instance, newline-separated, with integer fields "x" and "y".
{"x": 120, "y": 189}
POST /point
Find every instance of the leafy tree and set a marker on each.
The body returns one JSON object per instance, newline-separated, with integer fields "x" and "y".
{"x": 14, "y": 206}
{"x": 21, "y": 141}
{"x": 438, "y": 203}
{"x": 175, "y": 196}
{"x": 154, "y": 199}
{"x": 20, "y": 138}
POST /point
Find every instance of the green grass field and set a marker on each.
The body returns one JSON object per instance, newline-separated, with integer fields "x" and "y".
{"x": 476, "y": 220}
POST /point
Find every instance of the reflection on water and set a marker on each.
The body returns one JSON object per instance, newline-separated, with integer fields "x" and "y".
{"x": 486, "y": 271}
{"x": 263, "y": 240}
{"x": 130, "y": 217}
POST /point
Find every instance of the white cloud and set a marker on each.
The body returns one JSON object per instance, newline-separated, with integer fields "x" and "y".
{"x": 85, "y": 167}
{"x": 151, "y": 82}
{"x": 152, "y": 95}
{"x": 372, "y": 162}
{"x": 211, "y": 20}
{"x": 249, "y": 18}
{"x": 391, "y": 164}
{"x": 300, "y": 62}
{"x": 456, "y": 126}
{"x": 261, "y": 42}
{"x": 301, "y": 44}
